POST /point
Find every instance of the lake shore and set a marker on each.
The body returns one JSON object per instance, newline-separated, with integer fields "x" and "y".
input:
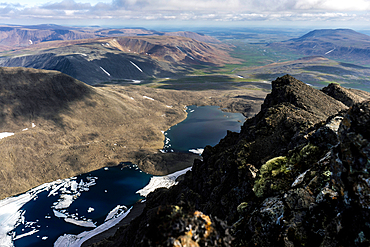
{"x": 136, "y": 210}
{"x": 114, "y": 124}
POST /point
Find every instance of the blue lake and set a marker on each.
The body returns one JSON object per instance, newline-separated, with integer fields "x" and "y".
{"x": 80, "y": 203}
{"x": 204, "y": 125}
{"x": 113, "y": 186}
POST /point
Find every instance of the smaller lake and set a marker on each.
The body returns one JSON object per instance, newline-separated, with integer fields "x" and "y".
{"x": 204, "y": 125}
{"x": 83, "y": 200}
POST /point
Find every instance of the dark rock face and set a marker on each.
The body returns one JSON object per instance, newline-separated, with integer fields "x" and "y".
{"x": 344, "y": 95}
{"x": 176, "y": 226}
{"x": 296, "y": 175}
{"x": 287, "y": 89}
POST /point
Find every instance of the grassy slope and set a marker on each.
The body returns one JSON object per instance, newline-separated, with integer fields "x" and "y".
{"x": 108, "y": 125}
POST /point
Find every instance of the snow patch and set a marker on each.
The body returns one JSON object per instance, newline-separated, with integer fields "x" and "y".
{"x": 10, "y": 213}
{"x": 197, "y": 151}
{"x": 329, "y": 51}
{"x": 179, "y": 49}
{"x": 114, "y": 213}
{"x": 136, "y": 66}
{"x": 77, "y": 240}
{"x": 136, "y": 81}
{"x": 146, "y": 97}
{"x": 74, "y": 186}
{"x": 161, "y": 182}
{"x": 53, "y": 192}
{"x": 80, "y": 222}
{"x": 25, "y": 234}
{"x": 59, "y": 214}
{"x": 5, "y": 134}
{"x": 33, "y": 125}
{"x": 65, "y": 201}
{"x": 30, "y": 41}
{"x": 104, "y": 71}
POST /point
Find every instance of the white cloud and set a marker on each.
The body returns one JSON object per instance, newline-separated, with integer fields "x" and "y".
{"x": 187, "y": 10}
{"x": 333, "y": 5}
{"x": 67, "y": 5}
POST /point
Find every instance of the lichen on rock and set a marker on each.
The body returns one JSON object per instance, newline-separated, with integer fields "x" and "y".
{"x": 272, "y": 177}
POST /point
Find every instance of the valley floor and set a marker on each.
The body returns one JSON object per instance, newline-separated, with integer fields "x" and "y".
{"x": 109, "y": 125}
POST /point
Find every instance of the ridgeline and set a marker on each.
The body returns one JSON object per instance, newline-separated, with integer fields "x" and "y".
{"x": 296, "y": 175}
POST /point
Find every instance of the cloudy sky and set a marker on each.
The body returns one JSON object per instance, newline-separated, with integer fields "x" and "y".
{"x": 330, "y": 13}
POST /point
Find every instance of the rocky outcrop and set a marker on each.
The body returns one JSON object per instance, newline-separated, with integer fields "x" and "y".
{"x": 344, "y": 95}
{"x": 296, "y": 175}
{"x": 320, "y": 202}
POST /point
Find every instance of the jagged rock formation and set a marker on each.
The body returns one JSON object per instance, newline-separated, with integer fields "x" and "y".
{"x": 347, "y": 96}
{"x": 296, "y": 175}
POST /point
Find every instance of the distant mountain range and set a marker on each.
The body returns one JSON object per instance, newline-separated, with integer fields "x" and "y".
{"x": 339, "y": 44}
{"x": 12, "y": 36}
{"x": 131, "y": 58}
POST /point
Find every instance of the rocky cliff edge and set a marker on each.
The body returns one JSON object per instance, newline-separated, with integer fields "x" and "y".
{"x": 296, "y": 175}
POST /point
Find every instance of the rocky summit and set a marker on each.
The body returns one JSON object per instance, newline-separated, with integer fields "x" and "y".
{"x": 296, "y": 175}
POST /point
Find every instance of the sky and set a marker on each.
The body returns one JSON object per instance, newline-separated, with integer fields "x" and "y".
{"x": 301, "y": 13}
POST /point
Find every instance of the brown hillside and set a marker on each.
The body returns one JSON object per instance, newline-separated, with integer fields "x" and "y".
{"x": 63, "y": 127}
{"x": 196, "y": 36}
{"x": 176, "y": 49}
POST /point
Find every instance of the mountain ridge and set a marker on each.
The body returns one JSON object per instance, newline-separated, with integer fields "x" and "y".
{"x": 13, "y": 36}
{"x": 120, "y": 58}
{"x": 340, "y": 44}
{"x": 300, "y": 191}
{"x": 332, "y": 32}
